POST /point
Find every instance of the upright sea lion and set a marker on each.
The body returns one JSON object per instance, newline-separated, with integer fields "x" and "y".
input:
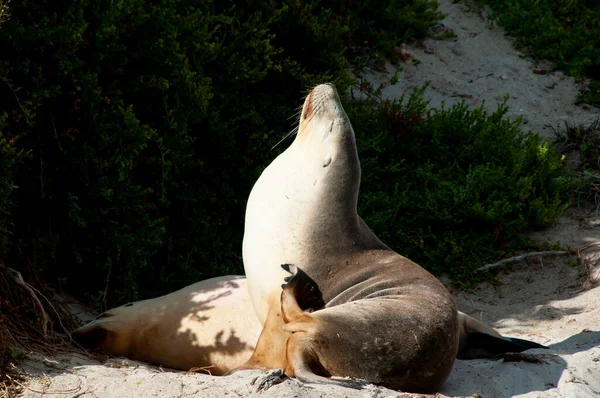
{"x": 208, "y": 324}
{"x": 394, "y": 323}
{"x": 384, "y": 318}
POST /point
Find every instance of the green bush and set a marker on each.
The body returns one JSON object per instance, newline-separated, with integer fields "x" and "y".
{"x": 375, "y": 28}
{"x": 564, "y": 31}
{"x": 147, "y": 123}
{"x": 585, "y": 141}
{"x": 453, "y": 188}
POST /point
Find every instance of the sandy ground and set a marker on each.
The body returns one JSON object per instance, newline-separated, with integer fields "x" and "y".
{"x": 538, "y": 300}
{"x": 481, "y": 63}
{"x": 547, "y": 300}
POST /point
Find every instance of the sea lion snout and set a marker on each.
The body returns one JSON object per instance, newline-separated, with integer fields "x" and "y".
{"x": 323, "y": 100}
{"x": 322, "y": 106}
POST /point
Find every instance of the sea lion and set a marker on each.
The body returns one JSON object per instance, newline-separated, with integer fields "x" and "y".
{"x": 394, "y": 323}
{"x": 210, "y": 324}
{"x": 383, "y": 318}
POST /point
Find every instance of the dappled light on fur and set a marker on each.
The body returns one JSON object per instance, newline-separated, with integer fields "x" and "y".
{"x": 207, "y": 325}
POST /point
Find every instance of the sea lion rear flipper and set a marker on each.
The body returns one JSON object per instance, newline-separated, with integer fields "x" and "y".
{"x": 481, "y": 345}
{"x": 478, "y": 340}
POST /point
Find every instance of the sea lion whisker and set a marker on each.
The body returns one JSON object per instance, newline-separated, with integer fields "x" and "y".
{"x": 292, "y": 132}
{"x": 296, "y": 114}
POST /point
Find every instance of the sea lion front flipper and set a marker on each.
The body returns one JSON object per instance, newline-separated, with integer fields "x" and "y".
{"x": 301, "y": 361}
{"x": 478, "y": 340}
{"x": 300, "y": 294}
{"x": 270, "y": 351}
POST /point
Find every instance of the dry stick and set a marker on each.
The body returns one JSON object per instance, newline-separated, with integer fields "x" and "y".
{"x": 523, "y": 256}
{"x": 203, "y": 368}
{"x": 576, "y": 252}
{"x": 56, "y": 312}
{"x": 19, "y": 279}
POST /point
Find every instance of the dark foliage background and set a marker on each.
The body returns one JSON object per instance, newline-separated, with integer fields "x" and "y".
{"x": 134, "y": 131}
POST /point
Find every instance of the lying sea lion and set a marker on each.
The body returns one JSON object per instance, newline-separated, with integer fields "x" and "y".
{"x": 210, "y": 324}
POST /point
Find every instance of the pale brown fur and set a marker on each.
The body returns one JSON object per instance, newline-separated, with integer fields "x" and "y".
{"x": 210, "y": 324}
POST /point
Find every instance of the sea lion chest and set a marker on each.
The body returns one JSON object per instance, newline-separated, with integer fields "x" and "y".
{"x": 289, "y": 221}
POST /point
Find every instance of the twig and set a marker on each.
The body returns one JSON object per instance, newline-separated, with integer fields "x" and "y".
{"x": 436, "y": 395}
{"x": 107, "y": 283}
{"x": 6, "y": 81}
{"x": 55, "y": 133}
{"x": 203, "y": 369}
{"x": 576, "y": 252}
{"x": 523, "y": 256}
{"x": 56, "y": 312}
{"x": 590, "y": 280}
{"x": 19, "y": 279}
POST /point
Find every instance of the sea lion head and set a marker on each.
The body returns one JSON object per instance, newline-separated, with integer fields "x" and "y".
{"x": 110, "y": 332}
{"x": 327, "y": 141}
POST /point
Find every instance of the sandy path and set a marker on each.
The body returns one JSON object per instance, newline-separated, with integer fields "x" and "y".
{"x": 538, "y": 300}
{"x": 483, "y": 64}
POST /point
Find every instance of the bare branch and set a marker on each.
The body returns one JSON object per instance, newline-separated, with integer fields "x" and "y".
{"x": 576, "y": 252}
{"x": 18, "y": 278}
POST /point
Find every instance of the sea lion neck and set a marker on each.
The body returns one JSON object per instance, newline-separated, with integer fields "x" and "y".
{"x": 303, "y": 207}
